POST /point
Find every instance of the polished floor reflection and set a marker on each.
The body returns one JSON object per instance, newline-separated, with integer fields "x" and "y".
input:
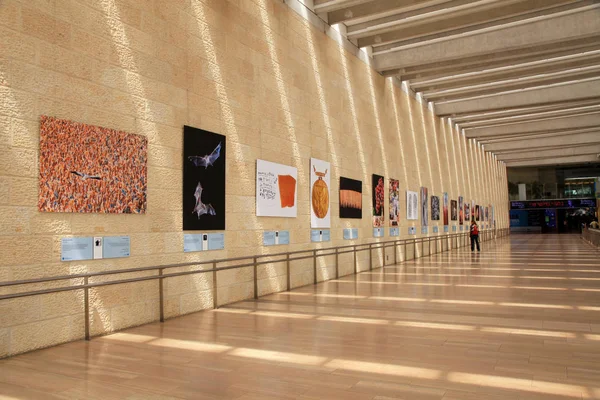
{"x": 520, "y": 320}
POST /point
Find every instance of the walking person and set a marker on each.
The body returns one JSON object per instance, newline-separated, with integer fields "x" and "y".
{"x": 474, "y": 235}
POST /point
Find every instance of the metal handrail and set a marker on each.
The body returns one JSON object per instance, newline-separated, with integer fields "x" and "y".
{"x": 592, "y": 236}
{"x": 256, "y": 260}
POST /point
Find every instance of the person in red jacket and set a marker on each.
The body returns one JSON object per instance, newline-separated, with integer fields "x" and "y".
{"x": 474, "y": 235}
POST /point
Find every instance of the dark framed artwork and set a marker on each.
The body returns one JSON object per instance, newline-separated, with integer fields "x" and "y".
{"x": 350, "y": 198}
{"x": 453, "y": 210}
{"x": 203, "y": 180}
{"x": 378, "y": 198}
{"x": 424, "y": 207}
{"x": 435, "y": 208}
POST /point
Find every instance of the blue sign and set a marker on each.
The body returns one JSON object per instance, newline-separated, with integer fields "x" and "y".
{"x": 116, "y": 247}
{"x": 272, "y": 238}
{"x": 377, "y": 232}
{"x": 394, "y": 231}
{"x": 453, "y": 228}
{"x": 216, "y": 241}
{"x": 284, "y": 237}
{"x": 320, "y": 235}
{"x": 193, "y": 242}
{"x": 423, "y": 229}
{"x": 436, "y": 229}
{"x": 269, "y": 238}
{"x": 461, "y": 227}
{"x": 446, "y": 228}
{"x": 412, "y": 230}
{"x": 350, "y": 234}
{"x": 75, "y": 249}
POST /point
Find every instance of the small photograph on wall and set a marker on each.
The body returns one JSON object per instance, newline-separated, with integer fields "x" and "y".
{"x": 461, "y": 212}
{"x": 203, "y": 180}
{"x": 435, "y": 208}
{"x": 90, "y": 169}
{"x": 412, "y": 205}
{"x": 378, "y": 198}
{"x": 445, "y": 210}
{"x": 453, "y": 210}
{"x": 424, "y": 206}
{"x": 487, "y": 214}
{"x": 394, "y": 202}
{"x": 350, "y": 198}
{"x": 276, "y": 190}
{"x": 477, "y": 212}
{"x": 467, "y": 212}
{"x": 320, "y": 182}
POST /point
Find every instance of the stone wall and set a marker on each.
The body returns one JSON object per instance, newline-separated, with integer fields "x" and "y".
{"x": 252, "y": 70}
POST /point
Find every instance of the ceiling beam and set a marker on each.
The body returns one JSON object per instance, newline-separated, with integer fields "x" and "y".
{"x": 376, "y": 7}
{"x": 531, "y": 117}
{"x": 573, "y": 75}
{"x": 576, "y": 150}
{"x": 472, "y": 19}
{"x": 527, "y": 97}
{"x": 590, "y": 138}
{"x": 571, "y": 26}
{"x": 538, "y": 134}
{"x": 508, "y": 72}
{"x": 521, "y": 110}
{"x": 388, "y": 23}
{"x": 498, "y": 59}
{"x": 585, "y": 159}
{"x": 327, "y": 6}
{"x": 535, "y": 126}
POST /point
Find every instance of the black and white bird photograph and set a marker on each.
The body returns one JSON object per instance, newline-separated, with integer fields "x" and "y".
{"x": 203, "y": 180}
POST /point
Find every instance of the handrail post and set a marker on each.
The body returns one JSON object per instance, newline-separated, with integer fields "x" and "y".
{"x": 86, "y": 306}
{"x": 161, "y": 296}
{"x": 405, "y": 250}
{"x": 287, "y": 267}
{"x": 383, "y": 253}
{"x": 255, "y": 278}
{"x": 370, "y": 256}
{"x": 414, "y": 249}
{"x": 355, "y": 262}
{"x": 215, "y": 297}
{"x": 337, "y": 263}
{"x": 422, "y": 247}
{"x": 315, "y": 265}
{"x": 395, "y": 252}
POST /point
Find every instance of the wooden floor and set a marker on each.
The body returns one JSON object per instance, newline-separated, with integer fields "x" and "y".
{"x": 520, "y": 320}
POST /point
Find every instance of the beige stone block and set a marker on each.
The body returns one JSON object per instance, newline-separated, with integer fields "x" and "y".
{"x": 46, "y": 333}
{"x": 115, "y": 295}
{"x": 17, "y": 220}
{"x": 271, "y": 270}
{"x": 171, "y": 307}
{"x": 193, "y": 302}
{"x": 233, "y": 293}
{"x": 189, "y": 283}
{"x": 19, "y": 311}
{"x": 62, "y": 303}
{"x": 4, "y": 343}
{"x": 135, "y": 314}
{"x": 49, "y": 223}
{"x": 85, "y": 41}
{"x": 17, "y": 250}
{"x": 233, "y": 276}
{"x": 17, "y": 103}
{"x": 272, "y": 285}
{"x": 44, "y": 26}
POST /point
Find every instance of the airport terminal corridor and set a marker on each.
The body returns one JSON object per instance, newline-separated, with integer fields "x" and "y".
{"x": 520, "y": 320}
